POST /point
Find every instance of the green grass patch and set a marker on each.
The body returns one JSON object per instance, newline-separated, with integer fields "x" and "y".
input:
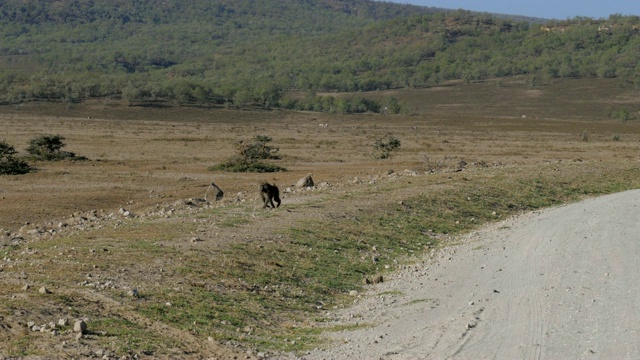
{"x": 418, "y": 301}
{"x": 126, "y": 337}
{"x": 391, "y": 293}
{"x": 233, "y": 221}
{"x": 263, "y": 294}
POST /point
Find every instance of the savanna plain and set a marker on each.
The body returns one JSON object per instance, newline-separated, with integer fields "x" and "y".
{"x": 131, "y": 241}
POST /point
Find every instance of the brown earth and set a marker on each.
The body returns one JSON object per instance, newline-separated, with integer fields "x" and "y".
{"x": 147, "y": 160}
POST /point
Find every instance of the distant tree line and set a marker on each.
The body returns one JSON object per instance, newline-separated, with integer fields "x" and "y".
{"x": 240, "y": 54}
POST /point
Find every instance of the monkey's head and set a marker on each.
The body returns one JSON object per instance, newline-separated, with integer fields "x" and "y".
{"x": 264, "y": 187}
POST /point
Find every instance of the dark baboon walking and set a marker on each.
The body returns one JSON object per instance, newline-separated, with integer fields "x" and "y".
{"x": 269, "y": 194}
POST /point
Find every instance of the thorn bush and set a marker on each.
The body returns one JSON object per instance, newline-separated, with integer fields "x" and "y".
{"x": 9, "y": 164}
{"x": 250, "y": 155}
{"x": 384, "y": 146}
{"x": 49, "y": 148}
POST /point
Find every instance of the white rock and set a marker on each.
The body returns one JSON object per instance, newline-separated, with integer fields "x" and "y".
{"x": 80, "y": 327}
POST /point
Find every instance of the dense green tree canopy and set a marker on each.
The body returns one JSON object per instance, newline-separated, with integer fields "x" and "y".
{"x": 248, "y": 53}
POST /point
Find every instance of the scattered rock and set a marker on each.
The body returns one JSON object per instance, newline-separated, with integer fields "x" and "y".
{"x": 33, "y": 232}
{"x": 219, "y": 194}
{"x": 376, "y": 280}
{"x": 63, "y": 322}
{"x": 133, "y": 293}
{"x": 306, "y": 181}
{"x": 44, "y": 290}
{"x": 80, "y": 327}
{"x": 324, "y": 185}
{"x": 124, "y": 212}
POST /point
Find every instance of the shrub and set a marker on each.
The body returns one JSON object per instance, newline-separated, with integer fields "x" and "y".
{"x": 384, "y": 146}
{"x": 49, "y": 147}
{"x": 249, "y": 156}
{"x": 258, "y": 149}
{"x": 9, "y": 164}
{"x": 239, "y": 164}
{"x": 622, "y": 115}
{"x": 393, "y": 106}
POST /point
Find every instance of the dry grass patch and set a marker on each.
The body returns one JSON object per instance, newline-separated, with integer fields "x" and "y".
{"x": 264, "y": 279}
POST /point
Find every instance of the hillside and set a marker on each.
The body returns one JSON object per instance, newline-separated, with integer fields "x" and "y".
{"x": 239, "y": 53}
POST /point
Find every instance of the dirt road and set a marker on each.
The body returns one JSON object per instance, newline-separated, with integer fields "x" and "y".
{"x": 563, "y": 283}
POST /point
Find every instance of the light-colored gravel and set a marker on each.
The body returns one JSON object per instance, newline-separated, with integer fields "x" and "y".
{"x": 562, "y": 283}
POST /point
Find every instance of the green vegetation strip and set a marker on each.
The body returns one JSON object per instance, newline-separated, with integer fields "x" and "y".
{"x": 272, "y": 295}
{"x": 265, "y": 295}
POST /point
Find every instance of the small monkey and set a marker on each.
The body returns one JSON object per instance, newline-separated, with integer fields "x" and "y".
{"x": 269, "y": 194}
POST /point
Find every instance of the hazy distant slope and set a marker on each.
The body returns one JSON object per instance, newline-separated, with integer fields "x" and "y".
{"x": 234, "y": 52}
{"x": 300, "y": 16}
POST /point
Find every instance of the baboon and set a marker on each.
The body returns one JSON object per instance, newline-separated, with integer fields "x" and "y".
{"x": 269, "y": 193}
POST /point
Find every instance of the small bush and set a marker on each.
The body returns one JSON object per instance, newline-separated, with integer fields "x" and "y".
{"x": 249, "y": 156}
{"x": 622, "y": 115}
{"x": 384, "y": 146}
{"x": 9, "y": 164}
{"x": 258, "y": 149}
{"x": 393, "y": 106}
{"x": 49, "y": 148}
{"x": 239, "y": 164}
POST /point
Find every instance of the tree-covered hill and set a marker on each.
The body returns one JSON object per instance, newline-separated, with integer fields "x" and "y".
{"x": 236, "y": 52}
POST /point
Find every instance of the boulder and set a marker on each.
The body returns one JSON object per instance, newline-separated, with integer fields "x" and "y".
{"x": 306, "y": 181}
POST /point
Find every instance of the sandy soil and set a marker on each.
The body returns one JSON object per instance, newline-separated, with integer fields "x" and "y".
{"x": 557, "y": 284}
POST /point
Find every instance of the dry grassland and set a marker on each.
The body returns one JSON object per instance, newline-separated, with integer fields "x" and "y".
{"x": 189, "y": 264}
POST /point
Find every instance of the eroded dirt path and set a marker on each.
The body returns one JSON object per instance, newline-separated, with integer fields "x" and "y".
{"x": 562, "y": 283}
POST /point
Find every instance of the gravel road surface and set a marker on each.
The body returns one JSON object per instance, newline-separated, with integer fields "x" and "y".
{"x": 562, "y": 283}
